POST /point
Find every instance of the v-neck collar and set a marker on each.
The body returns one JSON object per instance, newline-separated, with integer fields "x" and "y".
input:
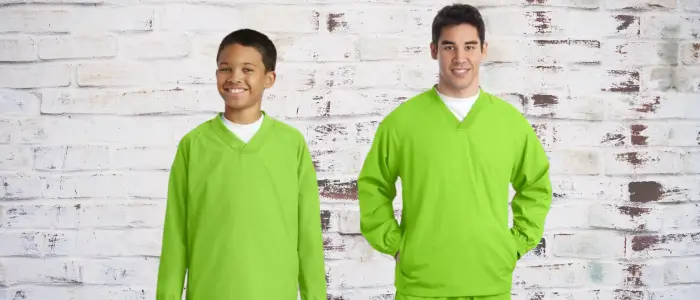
{"x": 481, "y": 102}
{"x": 233, "y": 141}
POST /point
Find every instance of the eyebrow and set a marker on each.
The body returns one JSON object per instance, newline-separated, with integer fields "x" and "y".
{"x": 245, "y": 63}
{"x": 452, "y": 43}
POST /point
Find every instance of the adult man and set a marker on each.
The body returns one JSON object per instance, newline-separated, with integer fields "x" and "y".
{"x": 456, "y": 149}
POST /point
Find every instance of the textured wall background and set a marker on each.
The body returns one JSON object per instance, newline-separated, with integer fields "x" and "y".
{"x": 95, "y": 95}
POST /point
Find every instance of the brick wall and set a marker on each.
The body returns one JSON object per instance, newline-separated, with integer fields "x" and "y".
{"x": 96, "y": 93}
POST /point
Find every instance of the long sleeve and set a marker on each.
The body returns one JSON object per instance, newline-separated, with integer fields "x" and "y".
{"x": 377, "y": 191}
{"x": 312, "y": 272}
{"x": 533, "y": 197}
{"x": 173, "y": 258}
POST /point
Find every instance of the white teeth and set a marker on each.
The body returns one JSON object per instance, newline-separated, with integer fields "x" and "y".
{"x": 460, "y": 71}
{"x": 235, "y": 91}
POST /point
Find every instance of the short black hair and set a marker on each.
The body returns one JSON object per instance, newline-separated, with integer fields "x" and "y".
{"x": 252, "y": 38}
{"x": 457, "y": 14}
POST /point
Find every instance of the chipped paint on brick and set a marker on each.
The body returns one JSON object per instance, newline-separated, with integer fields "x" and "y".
{"x": 637, "y": 138}
{"x": 338, "y": 189}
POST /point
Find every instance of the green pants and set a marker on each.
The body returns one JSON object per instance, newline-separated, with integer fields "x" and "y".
{"x": 505, "y": 296}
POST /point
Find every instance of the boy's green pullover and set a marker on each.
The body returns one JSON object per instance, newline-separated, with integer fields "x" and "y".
{"x": 454, "y": 238}
{"x": 242, "y": 219}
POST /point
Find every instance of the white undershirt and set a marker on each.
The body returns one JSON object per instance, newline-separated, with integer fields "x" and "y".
{"x": 459, "y": 106}
{"x": 243, "y": 131}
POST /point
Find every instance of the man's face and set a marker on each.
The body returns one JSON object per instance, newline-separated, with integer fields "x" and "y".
{"x": 459, "y": 54}
{"x": 241, "y": 77}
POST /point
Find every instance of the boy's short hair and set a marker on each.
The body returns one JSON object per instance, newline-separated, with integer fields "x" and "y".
{"x": 252, "y": 38}
{"x": 457, "y": 14}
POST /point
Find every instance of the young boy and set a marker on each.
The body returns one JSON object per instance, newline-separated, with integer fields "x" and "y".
{"x": 243, "y": 212}
{"x": 456, "y": 148}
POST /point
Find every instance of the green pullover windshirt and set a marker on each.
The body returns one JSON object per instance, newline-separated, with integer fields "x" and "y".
{"x": 242, "y": 219}
{"x": 454, "y": 239}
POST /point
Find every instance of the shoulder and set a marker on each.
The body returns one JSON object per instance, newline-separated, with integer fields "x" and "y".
{"x": 408, "y": 110}
{"x": 195, "y": 133}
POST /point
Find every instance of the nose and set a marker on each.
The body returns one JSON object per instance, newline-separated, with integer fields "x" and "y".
{"x": 235, "y": 76}
{"x": 461, "y": 55}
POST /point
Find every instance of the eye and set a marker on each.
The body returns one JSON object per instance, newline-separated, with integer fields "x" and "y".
{"x": 247, "y": 70}
{"x": 225, "y": 69}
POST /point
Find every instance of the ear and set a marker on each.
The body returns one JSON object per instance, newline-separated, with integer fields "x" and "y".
{"x": 433, "y": 50}
{"x": 270, "y": 78}
{"x": 484, "y": 50}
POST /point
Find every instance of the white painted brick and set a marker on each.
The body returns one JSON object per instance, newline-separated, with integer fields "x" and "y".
{"x": 544, "y": 51}
{"x": 583, "y": 134}
{"x": 282, "y": 19}
{"x": 603, "y": 80}
{"x": 628, "y": 274}
{"x": 336, "y": 160}
{"x": 682, "y": 270}
{"x": 556, "y": 104}
{"x": 390, "y": 46}
{"x": 575, "y": 161}
{"x": 295, "y": 76}
{"x": 36, "y": 75}
{"x": 638, "y": 53}
{"x": 135, "y": 101}
{"x": 79, "y": 292}
{"x": 21, "y": 186}
{"x": 150, "y": 46}
{"x": 675, "y": 79}
{"x": 323, "y": 47}
{"x": 40, "y": 270}
{"x": 78, "y": 46}
{"x": 77, "y": 19}
{"x": 626, "y": 217}
{"x": 15, "y": 158}
{"x": 567, "y": 216}
{"x": 664, "y": 26}
{"x": 138, "y": 73}
{"x": 589, "y": 244}
{"x": 676, "y": 292}
{"x": 621, "y": 24}
{"x": 21, "y": 243}
{"x": 19, "y": 48}
{"x": 692, "y": 162}
{"x": 690, "y": 53}
{"x": 143, "y": 158}
{"x": 180, "y": 18}
{"x": 19, "y": 103}
{"x": 513, "y": 23}
{"x": 359, "y": 274}
{"x": 360, "y": 75}
{"x": 691, "y": 5}
{"x": 136, "y": 184}
{"x": 658, "y": 188}
{"x": 364, "y": 21}
{"x": 350, "y": 221}
{"x": 106, "y": 243}
{"x": 127, "y": 271}
{"x": 549, "y": 275}
{"x": 85, "y": 215}
{"x": 623, "y": 162}
{"x": 640, "y": 4}
{"x": 652, "y": 106}
{"x": 521, "y": 79}
{"x": 32, "y": 20}
{"x": 681, "y": 217}
{"x": 567, "y": 3}
{"x": 71, "y": 158}
{"x": 665, "y": 245}
{"x": 147, "y": 131}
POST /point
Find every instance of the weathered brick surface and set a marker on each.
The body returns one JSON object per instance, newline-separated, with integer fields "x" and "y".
{"x": 95, "y": 94}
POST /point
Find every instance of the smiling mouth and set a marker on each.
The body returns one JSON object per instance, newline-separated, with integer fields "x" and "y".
{"x": 460, "y": 70}
{"x": 234, "y": 90}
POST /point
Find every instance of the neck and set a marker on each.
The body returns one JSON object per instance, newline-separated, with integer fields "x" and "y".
{"x": 243, "y": 116}
{"x": 470, "y": 91}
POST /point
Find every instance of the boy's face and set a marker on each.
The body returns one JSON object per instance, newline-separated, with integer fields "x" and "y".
{"x": 241, "y": 77}
{"x": 459, "y": 54}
